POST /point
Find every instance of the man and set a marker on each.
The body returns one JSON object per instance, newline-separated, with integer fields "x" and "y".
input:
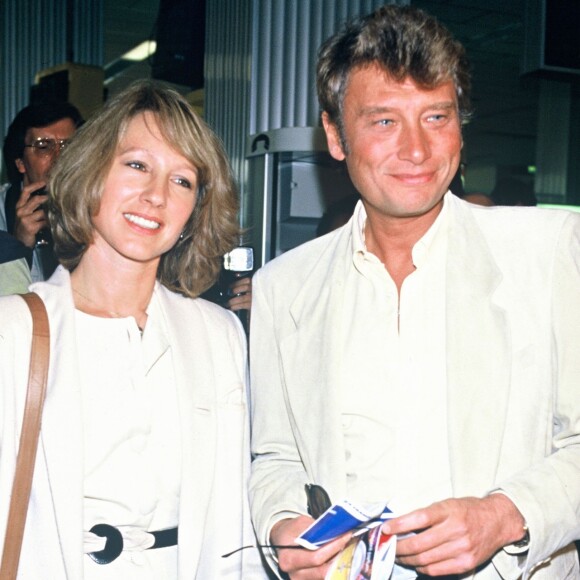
{"x": 456, "y": 187}
{"x": 426, "y": 353}
{"x": 32, "y": 145}
{"x": 513, "y": 191}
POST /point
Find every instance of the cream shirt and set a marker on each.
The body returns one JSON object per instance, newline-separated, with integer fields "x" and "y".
{"x": 395, "y": 426}
{"x": 14, "y": 277}
{"x": 131, "y": 441}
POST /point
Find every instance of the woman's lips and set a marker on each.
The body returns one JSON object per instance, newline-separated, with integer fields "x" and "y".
{"x": 142, "y": 222}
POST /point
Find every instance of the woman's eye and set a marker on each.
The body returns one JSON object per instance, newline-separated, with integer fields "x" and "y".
{"x": 136, "y": 165}
{"x": 183, "y": 182}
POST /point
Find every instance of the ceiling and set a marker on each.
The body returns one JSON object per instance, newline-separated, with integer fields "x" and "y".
{"x": 127, "y": 23}
{"x": 505, "y": 104}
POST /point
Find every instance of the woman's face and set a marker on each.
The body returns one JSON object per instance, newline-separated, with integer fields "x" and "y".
{"x": 148, "y": 197}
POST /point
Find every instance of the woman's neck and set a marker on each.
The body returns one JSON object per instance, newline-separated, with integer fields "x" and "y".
{"x": 112, "y": 294}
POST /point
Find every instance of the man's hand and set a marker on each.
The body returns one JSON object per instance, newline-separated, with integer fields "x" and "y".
{"x": 30, "y": 218}
{"x": 304, "y": 564}
{"x": 456, "y": 535}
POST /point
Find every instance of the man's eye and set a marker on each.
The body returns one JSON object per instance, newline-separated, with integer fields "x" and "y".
{"x": 382, "y": 123}
{"x": 43, "y": 144}
{"x": 437, "y": 118}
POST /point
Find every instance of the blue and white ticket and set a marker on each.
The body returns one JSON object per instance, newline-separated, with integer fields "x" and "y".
{"x": 340, "y": 518}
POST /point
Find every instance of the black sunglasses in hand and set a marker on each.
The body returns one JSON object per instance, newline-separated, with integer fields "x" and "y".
{"x": 317, "y": 503}
{"x": 318, "y": 500}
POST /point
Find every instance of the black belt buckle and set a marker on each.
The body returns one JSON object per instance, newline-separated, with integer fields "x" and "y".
{"x": 113, "y": 546}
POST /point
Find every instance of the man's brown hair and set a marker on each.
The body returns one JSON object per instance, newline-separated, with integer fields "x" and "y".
{"x": 406, "y": 43}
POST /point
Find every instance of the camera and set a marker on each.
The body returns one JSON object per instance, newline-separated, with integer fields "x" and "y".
{"x": 239, "y": 260}
{"x": 43, "y": 236}
{"x": 238, "y": 263}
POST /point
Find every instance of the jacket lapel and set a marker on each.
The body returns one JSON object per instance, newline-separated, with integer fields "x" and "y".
{"x": 311, "y": 366}
{"x": 192, "y": 361}
{"x": 478, "y": 357}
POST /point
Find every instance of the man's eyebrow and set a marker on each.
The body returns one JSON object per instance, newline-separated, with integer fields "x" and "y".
{"x": 444, "y": 105}
{"x": 439, "y": 106}
{"x": 373, "y": 110}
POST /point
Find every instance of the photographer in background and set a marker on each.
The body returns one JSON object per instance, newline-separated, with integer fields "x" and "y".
{"x": 35, "y": 138}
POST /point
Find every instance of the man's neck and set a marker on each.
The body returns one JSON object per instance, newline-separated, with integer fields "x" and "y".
{"x": 392, "y": 240}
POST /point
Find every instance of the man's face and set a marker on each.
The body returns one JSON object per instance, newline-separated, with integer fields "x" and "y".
{"x": 34, "y": 164}
{"x": 402, "y": 142}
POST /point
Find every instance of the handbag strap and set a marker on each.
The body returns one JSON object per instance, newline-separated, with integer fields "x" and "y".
{"x": 37, "y": 375}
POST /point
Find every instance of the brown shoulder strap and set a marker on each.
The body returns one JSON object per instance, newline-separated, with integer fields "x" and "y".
{"x": 37, "y": 376}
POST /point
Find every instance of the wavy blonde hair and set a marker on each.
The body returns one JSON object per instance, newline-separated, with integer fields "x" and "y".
{"x": 77, "y": 180}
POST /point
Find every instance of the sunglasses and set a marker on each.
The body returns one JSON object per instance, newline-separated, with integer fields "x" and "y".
{"x": 317, "y": 502}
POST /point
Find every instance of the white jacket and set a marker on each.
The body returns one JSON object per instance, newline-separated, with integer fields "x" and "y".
{"x": 513, "y": 375}
{"x": 209, "y": 353}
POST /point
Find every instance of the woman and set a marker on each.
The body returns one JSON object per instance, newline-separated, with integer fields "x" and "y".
{"x": 144, "y": 426}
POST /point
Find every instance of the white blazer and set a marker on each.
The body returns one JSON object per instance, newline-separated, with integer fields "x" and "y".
{"x": 513, "y": 374}
{"x": 209, "y": 354}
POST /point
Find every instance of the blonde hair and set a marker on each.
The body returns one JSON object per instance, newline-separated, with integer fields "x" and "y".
{"x": 77, "y": 180}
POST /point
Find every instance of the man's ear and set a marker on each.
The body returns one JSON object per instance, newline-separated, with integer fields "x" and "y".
{"x": 332, "y": 137}
{"x": 20, "y": 166}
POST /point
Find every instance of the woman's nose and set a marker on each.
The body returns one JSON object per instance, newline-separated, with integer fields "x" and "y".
{"x": 156, "y": 192}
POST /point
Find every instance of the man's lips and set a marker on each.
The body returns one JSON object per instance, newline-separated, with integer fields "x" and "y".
{"x": 415, "y": 178}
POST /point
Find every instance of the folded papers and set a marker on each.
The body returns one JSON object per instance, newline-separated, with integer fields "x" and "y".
{"x": 369, "y": 555}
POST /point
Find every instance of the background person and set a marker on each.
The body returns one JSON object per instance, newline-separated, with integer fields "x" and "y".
{"x": 456, "y": 187}
{"x": 513, "y": 191}
{"x": 368, "y": 376}
{"x": 34, "y": 140}
{"x": 337, "y": 214}
{"x": 144, "y": 427}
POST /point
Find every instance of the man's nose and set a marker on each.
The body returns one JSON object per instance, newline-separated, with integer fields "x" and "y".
{"x": 58, "y": 147}
{"x": 414, "y": 144}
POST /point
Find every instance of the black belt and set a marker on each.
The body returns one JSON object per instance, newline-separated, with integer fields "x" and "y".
{"x": 114, "y": 544}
